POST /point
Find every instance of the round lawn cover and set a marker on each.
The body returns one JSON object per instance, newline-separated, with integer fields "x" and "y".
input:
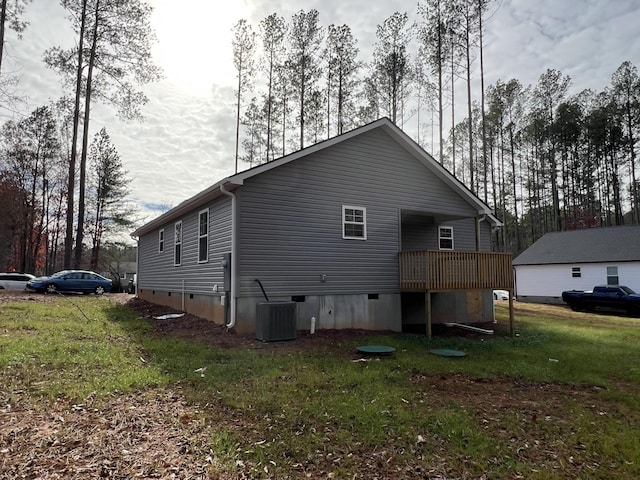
{"x": 445, "y": 352}
{"x": 376, "y": 349}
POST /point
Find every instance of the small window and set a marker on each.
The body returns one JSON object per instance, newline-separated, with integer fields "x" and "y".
{"x": 576, "y": 272}
{"x": 354, "y": 223}
{"x": 612, "y": 276}
{"x": 203, "y": 236}
{"x": 177, "y": 243}
{"x": 445, "y": 238}
{"x": 161, "y": 241}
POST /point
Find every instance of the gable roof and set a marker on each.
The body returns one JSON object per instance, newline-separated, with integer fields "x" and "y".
{"x": 592, "y": 245}
{"x": 232, "y": 182}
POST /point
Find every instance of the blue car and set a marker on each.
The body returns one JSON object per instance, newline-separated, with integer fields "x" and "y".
{"x": 82, "y": 281}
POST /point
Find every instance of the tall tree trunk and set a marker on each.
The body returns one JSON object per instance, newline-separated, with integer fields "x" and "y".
{"x": 514, "y": 191}
{"x": 238, "y": 119}
{"x": 71, "y": 184}
{"x": 635, "y": 202}
{"x": 85, "y": 144}
{"x": 440, "y": 107}
{"x": 469, "y": 107}
{"x": 482, "y": 101}
{"x": 3, "y": 20}
{"x": 453, "y": 110}
{"x": 269, "y": 108}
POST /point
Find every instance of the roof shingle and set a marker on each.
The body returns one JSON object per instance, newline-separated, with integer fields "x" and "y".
{"x": 592, "y": 245}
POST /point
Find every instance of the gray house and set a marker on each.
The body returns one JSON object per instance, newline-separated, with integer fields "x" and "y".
{"x": 364, "y": 230}
{"x": 578, "y": 260}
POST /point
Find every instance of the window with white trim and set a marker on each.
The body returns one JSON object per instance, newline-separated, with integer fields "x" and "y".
{"x": 203, "y": 236}
{"x": 161, "y": 241}
{"x": 612, "y": 276}
{"x": 576, "y": 272}
{"x": 177, "y": 236}
{"x": 354, "y": 223}
{"x": 445, "y": 238}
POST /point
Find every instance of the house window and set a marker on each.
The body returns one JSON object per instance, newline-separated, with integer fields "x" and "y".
{"x": 354, "y": 222}
{"x": 576, "y": 272}
{"x": 177, "y": 259}
{"x": 203, "y": 236}
{"x": 161, "y": 241}
{"x": 612, "y": 276}
{"x": 445, "y": 238}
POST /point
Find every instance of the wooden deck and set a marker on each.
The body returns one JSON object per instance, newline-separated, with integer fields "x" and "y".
{"x": 440, "y": 271}
{"x": 449, "y": 270}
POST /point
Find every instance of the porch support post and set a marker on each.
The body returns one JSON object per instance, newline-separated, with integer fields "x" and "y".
{"x": 427, "y": 306}
{"x": 511, "y": 329}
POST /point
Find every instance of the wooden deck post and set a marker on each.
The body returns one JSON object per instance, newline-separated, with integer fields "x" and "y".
{"x": 427, "y": 306}
{"x": 511, "y": 329}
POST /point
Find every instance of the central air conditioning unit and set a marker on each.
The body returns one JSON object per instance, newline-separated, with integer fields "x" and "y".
{"x": 276, "y": 321}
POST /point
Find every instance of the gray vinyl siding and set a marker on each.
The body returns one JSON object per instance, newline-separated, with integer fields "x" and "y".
{"x": 290, "y": 219}
{"x": 415, "y": 237}
{"x": 157, "y": 270}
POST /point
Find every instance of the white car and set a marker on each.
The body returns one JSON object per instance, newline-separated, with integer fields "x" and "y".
{"x": 14, "y": 281}
{"x": 500, "y": 295}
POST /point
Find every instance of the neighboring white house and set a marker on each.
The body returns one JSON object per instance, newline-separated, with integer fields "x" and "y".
{"x": 578, "y": 260}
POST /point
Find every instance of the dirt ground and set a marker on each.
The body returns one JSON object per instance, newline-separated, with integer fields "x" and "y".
{"x": 157, "y": 434}
{"x": 198, "y": 329}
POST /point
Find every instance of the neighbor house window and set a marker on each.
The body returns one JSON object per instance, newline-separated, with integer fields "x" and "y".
{"x": 576, "y": 272}
{"x": 177, "y": 259}
{"x": 161, "y": 241}
{"x": 354, "y": 222}
{"x": 203, "y": 236}
{"x": 445, "y": 238}
{"x": 612, "y": 276}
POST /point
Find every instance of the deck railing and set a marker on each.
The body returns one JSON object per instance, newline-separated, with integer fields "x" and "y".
{"x": 451, "y": 270}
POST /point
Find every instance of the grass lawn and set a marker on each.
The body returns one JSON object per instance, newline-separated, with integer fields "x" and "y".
{"x": 89, "y": 388}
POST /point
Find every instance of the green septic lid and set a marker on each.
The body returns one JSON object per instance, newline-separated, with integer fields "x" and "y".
{"x": 445, "y": 352}
{"x": 376, "y": 349}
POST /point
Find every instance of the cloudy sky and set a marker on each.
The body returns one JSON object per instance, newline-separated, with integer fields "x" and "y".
{"x": 186, "y": 142}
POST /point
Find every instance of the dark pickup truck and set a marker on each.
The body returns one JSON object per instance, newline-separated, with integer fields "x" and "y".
{"x": 614, "y": 297}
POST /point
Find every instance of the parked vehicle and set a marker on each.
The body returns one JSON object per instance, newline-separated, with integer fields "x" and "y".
{"x": 14, "y": 281}
{"x": 500, "y": 295}
{"x": 616, "y": 297}
{"x": 71, "y": 281}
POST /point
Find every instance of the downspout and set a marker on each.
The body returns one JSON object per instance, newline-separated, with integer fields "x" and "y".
{"x": 234, "y": 256}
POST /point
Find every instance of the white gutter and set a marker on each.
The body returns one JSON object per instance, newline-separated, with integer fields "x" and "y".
{"x": 234, "y": 256}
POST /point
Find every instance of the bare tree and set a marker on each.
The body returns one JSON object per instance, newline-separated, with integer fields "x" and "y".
{"x": 432, "y": 33}
{"x": 10, "y": 17}
{"x": 342, "y": 71}
{"x": 119, "y": 36}
{"x": 626, "y": 91}
{"x": 243, "y": 44}
{"x": 305, "y": 37}
{"x": 391, "y": 62}
{"x": 273, "y": 31}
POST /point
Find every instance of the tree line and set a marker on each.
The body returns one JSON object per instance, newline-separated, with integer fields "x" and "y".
{"x": 544, "y": 159}
{"x": 64, "y": 190}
